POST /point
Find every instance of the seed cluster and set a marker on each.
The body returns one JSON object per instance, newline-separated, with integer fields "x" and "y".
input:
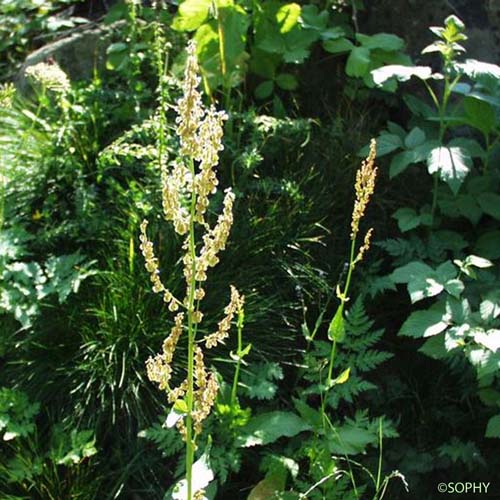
{"x": 364, "y": 187}
{"x": 185, "y": 199}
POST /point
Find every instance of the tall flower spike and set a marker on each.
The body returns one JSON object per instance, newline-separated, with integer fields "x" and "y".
{"x": 190, "y": 109}
{"x": 365, "y": 185}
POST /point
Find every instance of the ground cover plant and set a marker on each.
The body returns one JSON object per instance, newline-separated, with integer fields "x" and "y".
{"x": 253, "y": 254}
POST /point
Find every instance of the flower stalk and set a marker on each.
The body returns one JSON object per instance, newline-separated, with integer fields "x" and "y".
{"x": 187, "y": 184}
{"x": 364, "y": 188}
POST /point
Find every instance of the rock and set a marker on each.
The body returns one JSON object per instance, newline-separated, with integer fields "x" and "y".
{"x": 78, "y": 54}
{"x": 410, "y": 20}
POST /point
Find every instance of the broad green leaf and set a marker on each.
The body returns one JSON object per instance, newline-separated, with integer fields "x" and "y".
{"x": 264, "y": 89}
{"x": 312, "y": 18}
{"x": 411, "y": 271}
{"x": 470, "y": 146}
{"x": 417, "y": 106}
{"x": 423, "y": 288}
{"x": 386, "y": 143}
{"x": 401, "y": 161}
{"x": 422, "y": 324}
{"x": 350, "y": 439}
{"x": 488, "y": 245}
{"x": 288, "y": 16}
{"x": 454, "y": 337}
{"x": 451, "y": 163}
{"x": 479, "y": 71}
{"x": 490, "y": 306}
{"x": 336, "y": 329}
{"x": 415, "y": 138}
{"x": 358, "y": 62}
{"x": 457, "y": 311}
{"x": 268, "y": 427}
{"x": 400, "y": 73}
{"x": 434, "y": 347}
{"x": 454, "y": 287}
{"x": 286, "y": 81}
{"x": 310, "y": 415}
{"x": 191, "y": 15}
{"x": 383, "y": 41}
{"x": 480, "y": 114}
{"x": 407, "y": 219}
{"x": 337, "y": 46}
{"x": 489, "y": 339}
{"x": 334, "y": 33}
{"x": 476, "y": 261}
{"x": 490, "y": 203}
{"x": 493, "y": 427}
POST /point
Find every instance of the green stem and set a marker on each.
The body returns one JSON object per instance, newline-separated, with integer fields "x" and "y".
{"x": 190, "y": 445}
{"x": 343, "y": 300}
{"x": 234, "y": 390}
{"x": 379, "y": 470}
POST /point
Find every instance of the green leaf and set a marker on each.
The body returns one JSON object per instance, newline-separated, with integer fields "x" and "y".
{"x": 286, "y": 81}
{"x": 268, "y": 427}
{"x": 338, "y": 46}
{"x": 358, "y": 62}
{"x": 422, "y": 324}
{"x": 336, "y": 329}
{"x": 454, "y": 287}
{"x": 452, "y": 164}
{"x": 493, "y": 427}
{"x": 342, "y": 378}
{"x": 411, "y": 271}
{"x": 434, "y": 347}
{"x": 400, "y": 73}
{"x": 264, "y": 89}
{"x": 407, "y": 219}
{"x": 401, "y": 162}
{"x": 191, "y": 15}
{"x": 480, "y": 114}
{"x": 386, "y": 143}
{"x": 311, "y": 18}
{"x": 350, "y": 439}
{"x": 490, "y": 203}
{"x": 415, "y": 138}
{"x": 488, "y": 245}
{"x": 334, "y": 33}
{"x": 310, "y": 415}
{"x": 489, "y": 339}
{"x": 288, "y": 17}
{"x": 383, "y": 41}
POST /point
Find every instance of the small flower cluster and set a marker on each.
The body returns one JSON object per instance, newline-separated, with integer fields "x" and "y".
{"x": 50, "y": 76}
{"x": 365, "y": 186}
{"x": 185, "y": 198}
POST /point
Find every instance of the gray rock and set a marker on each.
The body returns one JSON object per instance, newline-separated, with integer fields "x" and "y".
{"x": 410, "y": 19}
{"x": 78, "y": 54}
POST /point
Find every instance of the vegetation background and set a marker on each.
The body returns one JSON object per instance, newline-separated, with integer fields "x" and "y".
{"x": 87, "y": 97}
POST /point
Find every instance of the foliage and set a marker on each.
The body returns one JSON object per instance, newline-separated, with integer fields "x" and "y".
{"x": 333, "y": 383}
{"x": 22, "y": 20}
